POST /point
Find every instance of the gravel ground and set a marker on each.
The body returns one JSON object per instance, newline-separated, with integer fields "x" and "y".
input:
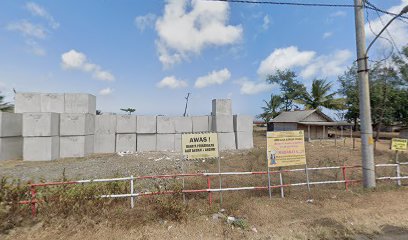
{"x": 100, "y": 166}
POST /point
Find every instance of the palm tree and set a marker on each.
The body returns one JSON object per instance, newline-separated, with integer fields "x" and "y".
{"x": 5, "y": 106}
{"x": 272, "y": 108}
{"x": 320, "y": 96}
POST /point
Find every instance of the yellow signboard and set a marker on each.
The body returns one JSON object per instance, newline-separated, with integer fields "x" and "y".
{"x": 399, "y": 144}
{"x": 200, "y": 145}
{"x": 286, "y": 148}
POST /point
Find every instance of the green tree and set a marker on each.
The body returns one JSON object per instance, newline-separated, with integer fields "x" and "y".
{"x": 272, "y": 108}
{"x": 5, "y": 106}
{"x": 321, "y": 95}
{"x": 128, "y": 110}
{"x": 349, "y": 89}
{"x": 290, "y": 87}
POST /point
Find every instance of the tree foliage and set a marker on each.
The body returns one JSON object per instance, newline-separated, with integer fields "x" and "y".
{"x": 5, "y": 106}
{"x": 272, "y": 108}
{"x": 291, "y": 89}
{"x": 321, "y": 95}
{"x": 128, "y": 110}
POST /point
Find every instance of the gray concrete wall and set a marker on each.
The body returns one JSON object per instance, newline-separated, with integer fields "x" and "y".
{"x": 41, "y": 148}
{"x": 221, "y": 107}
{"x": 11, "y": 124}
{"x": 76, "y": 146}
{"x": 146, "y": 142}
{"x": 403, "y": 133}
{"x": 284, "y": 126}
{"x": 41, "y": 124}
{"x": 80, "y": 103}
{"x": 126, "y": 142}
{"x": 126, "y": 123}
{"x": 11, "y": 148}
{"x": 77, "y": 124}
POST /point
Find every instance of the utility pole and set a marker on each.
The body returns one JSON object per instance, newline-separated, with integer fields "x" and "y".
{"x": 185, "y": 109}
{"x": 367, "y": 142}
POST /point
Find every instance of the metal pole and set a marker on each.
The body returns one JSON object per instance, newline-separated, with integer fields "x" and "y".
{"x": 132, "y": 199}
{"x": 308, "y": 182}
{"x": 281, "y": 183}
{"x": 398, "y": 168}
{"x": 269, "y": 184}
{"x": 364, "y": 95}
{"x": 183, "y": 171}
{"x": 219, "y": 171}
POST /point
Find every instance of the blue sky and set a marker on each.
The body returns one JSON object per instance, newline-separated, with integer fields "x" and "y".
{"x": 149, "y": 54}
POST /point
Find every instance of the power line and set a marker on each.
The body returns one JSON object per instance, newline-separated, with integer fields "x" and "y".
{"x": 287, "y": 3}
{"x": 389, "y": 41}
{"x": 368, "y": 5}
{"x": 371, "y": 6}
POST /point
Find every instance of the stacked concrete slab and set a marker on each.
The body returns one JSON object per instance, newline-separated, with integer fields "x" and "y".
{"x": 105, "y": 134}
{"x": 41, "y": 136}
{"x": 222, "y": 123}
{"x": 243, "y": 128}
{"x": 146, "y": 127}
{"x": 11, "y": 141}
{"x": 77, "y": 134}
{"x": 126, "y": 133}
{"x": 56, "y": 125}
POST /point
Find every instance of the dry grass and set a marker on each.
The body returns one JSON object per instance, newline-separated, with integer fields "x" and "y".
{"x": 73, "y": 212}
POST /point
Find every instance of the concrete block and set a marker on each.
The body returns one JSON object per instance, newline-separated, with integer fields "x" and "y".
{"x": 226, "y": 141}
{"x": 77, "y": 124}
{"x": 126, "y": 123}
{"x": 41, "y": 148}
{"x": 244, "y": 140}
{"x": 52, "y": 102}
{"x": 183, "y": 124}
{"x": 222, "y": 123}
{"x": 11, "y": 124}
{"x": 146, "y": 124}
{"x": 243, "y": 123}
{"x": 76, "y": 146}
{"x": 126, "y": 142}
{"x": 41, "y": 124}
{"x": 201, "y": 124}
{"x": 80, "y": 103}
{"x": 104, "y": 143}
{"x": 105, "y": 124}
{"x": 146, "y": 142}
{"x": 177, "y": 142}
{"x": 221, "y": 107}
{"x": 27, "y": 102}
{"x": 165, "y": 142}
{"x": 165, "y": 124}
{"x": 11, "y": 148}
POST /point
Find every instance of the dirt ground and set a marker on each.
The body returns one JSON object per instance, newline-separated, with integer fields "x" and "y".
{"x": 333, "y": 214}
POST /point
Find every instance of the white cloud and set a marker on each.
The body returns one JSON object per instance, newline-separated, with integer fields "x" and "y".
{"x": 35, "y": 48}
{"x": 37, "y": 10}
{"x": 106, "y": 91}
{"x": 309, "y": 64}
{"x": 327, "y": 65}
{"x": 78, "y": 61}
{"x": 28, "y": 29}
{"x": 251, "y": 87}
{"x": 214, "y": 77}
{"x": 327, "y": 35}
{"x": 146, "y": 21}
{"x": 266, "y": 22}
{"x": 172, "y": 83}
{"x": 187, "y": 27}
{"x": 284, "y": 58}
{"x": 398, "y": 29}
{"x": 339, "y": 13}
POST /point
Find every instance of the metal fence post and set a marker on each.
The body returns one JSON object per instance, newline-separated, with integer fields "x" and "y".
{"x": 33, "y": 193}
{"x": 398, "y": 168}
{"x": 132, "y": 199}
{"x": 209, "y": 192}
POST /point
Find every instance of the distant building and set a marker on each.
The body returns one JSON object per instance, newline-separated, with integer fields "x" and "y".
{"x": 313, "y": 122}
{"x": 404, "y": 133}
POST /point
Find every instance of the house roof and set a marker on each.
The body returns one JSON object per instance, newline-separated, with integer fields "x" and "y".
{"x": 298, "y": 116}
